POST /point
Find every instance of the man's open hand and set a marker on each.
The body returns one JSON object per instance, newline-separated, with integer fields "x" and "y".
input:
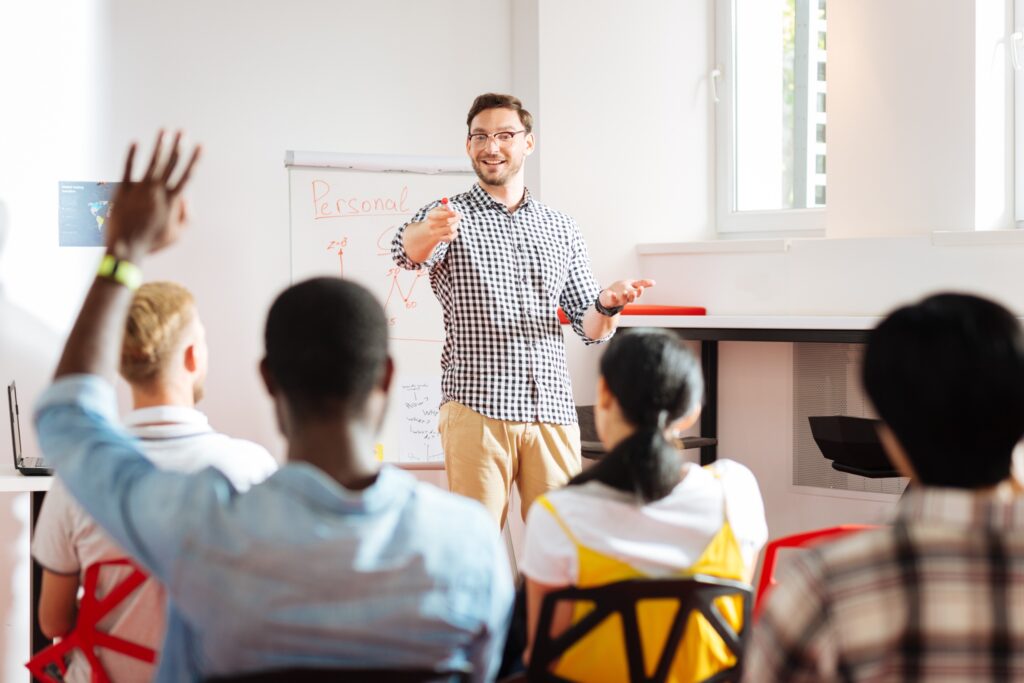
{"x": 624, "y": 292}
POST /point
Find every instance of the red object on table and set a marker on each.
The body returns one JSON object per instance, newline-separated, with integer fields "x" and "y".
{"x": 649, "y": 309}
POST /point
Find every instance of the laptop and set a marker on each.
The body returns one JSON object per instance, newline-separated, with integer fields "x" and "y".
{"x": 27, "y": 466}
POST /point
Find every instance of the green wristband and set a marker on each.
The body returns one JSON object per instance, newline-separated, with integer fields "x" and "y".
{"x": 122, "y": 272}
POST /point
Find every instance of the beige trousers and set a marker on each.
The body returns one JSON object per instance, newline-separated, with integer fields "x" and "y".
{"x": 484, "y": 456}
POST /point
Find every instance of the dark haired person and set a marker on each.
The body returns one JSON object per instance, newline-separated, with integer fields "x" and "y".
{"x": 937, "y": 595}
{"x": 501, "y": 263}
{"x": 333, "y": 561}
{"x": 641, "y": 512}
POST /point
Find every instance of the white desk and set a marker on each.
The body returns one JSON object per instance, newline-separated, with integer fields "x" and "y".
{"x": 755, "y": 327}
{"x": 13, "y": 482}
{"x": 711, "y": 329}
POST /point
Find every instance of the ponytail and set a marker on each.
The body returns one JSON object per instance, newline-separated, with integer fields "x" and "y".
{"x": 644, "y": 464}
{"x": 654, "y": 380}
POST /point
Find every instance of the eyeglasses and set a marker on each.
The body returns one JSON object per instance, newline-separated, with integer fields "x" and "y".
{"x": 502, "y": 137}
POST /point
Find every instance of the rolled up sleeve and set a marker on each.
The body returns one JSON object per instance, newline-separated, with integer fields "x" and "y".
{"x": 581, "y": 289}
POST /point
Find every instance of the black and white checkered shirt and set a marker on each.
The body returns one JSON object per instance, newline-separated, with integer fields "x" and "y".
{"x": 500, "y": 283}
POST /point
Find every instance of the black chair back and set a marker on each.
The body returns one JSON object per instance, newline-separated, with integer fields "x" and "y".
{"x": 346, "y": 675}
{"x": 693, "y": 594}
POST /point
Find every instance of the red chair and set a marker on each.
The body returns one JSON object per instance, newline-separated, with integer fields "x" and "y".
{"x": 85, "y": 635}
{"x": 801, "y": 540}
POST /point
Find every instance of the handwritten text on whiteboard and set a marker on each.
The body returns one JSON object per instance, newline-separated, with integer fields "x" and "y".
{"x": 332, "y": 203}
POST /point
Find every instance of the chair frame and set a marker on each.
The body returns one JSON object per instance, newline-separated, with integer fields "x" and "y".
{"x": 325, "y": 675}
{"x": 85, "y": 636}
{"x": 801, "y": 540}
{"x": 696, "y": 593}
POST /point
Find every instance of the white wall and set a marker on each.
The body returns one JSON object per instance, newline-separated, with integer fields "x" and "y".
{"x": 900, "y": 117}
{"x": 255, "y": 79}
{"x": 906, "y": 155}
{"x": 248, "y": 80}
{"x": 626, "y": 138}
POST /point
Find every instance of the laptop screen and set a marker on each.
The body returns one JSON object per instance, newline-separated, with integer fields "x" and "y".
{"x": 12, "y": 408}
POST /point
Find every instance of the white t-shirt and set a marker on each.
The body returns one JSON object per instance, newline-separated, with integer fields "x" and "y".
{"x": 659, "y": 538}
{"x": 66, "y": 539}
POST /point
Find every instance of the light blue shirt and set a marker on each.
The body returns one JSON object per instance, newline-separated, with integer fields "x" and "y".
{"x": 296, "y": 572}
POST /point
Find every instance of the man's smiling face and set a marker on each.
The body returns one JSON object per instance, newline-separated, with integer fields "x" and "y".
{"x": 496, "y": 163}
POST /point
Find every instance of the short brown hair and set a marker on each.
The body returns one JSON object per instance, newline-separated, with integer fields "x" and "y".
{"x": 494, "y": 100}
{"x": 159, "y": 314}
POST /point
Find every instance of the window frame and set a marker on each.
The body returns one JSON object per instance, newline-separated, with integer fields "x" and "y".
{"x": 806, "y": 222}
{"x": 1015, "y": 46}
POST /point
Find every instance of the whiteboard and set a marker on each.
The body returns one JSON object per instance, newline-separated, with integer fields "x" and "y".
{"x": 343, "y": 212}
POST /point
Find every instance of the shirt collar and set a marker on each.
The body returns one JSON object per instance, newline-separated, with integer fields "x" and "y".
{"x": 166, "y": 414}
{"x": 960, "y": 507}
{"x": 392, "y": 488}
{"x": 484, "y": 199}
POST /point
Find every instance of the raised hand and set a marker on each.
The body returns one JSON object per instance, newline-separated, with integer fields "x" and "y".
{"x": 623, "y": 292}
{"x": 150, "y": 213}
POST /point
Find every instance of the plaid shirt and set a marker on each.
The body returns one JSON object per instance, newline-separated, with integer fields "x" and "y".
{"x": 938, "y": 596}
{"x": 500, "y": 283}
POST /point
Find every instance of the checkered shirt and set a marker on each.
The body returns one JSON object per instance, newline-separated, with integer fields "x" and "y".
{"x": 500, "y": 283}
{"x": 938, "y": 596}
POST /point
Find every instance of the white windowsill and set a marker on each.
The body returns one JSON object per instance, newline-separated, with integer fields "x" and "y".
{"x": 762, "y": 246}
{"x": 976, "y": 238}
{"x": 939, "y": 238}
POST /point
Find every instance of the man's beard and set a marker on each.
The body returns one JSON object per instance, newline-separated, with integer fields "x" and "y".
{"x": 502, "y": 178}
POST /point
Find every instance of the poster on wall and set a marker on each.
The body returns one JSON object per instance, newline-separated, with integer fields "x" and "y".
{"x": 82, "y": 212}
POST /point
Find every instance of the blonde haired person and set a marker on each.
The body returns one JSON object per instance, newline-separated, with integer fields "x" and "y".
{"x": 164, "y": 360}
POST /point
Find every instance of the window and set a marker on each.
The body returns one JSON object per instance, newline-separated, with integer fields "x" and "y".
{"x": 770, "y": 93}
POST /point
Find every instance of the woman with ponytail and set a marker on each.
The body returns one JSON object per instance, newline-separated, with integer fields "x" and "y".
{"x": 641, "y": 511}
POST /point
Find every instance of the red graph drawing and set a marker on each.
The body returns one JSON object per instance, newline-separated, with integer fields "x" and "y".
{"x": 396, "y": 287}
{"x": 402, "y": 296}
{"x": 338, "y": 247}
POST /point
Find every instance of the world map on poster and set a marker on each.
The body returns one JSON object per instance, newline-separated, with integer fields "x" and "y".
{"x": 82, "y": 212}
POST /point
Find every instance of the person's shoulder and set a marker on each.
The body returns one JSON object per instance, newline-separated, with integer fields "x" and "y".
{"x": 732, "y": 474}
{"x": 233, "y": 447}
{"x": 250, "y": 449}
{"x": 577, "y": 502}
{"x": 452, "y": 519}
{"x": 871, "y": 547}
{"x": 439, "y": 502}
{"x": 583, "y": 494}
{"x": 243, "y": 462}
{"x": 551, "y": 215}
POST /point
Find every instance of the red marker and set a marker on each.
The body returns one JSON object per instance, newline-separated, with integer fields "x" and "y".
{"x": 445, "y": 203}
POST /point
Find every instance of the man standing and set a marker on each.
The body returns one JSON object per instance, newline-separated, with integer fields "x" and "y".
{"x": 501, "y": 263}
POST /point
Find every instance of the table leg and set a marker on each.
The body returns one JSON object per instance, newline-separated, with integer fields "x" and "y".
{"x": 709, "y": 416}
{"x": 39, "y": 641}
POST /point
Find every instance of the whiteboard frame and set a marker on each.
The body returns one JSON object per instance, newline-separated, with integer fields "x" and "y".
{"x": 443, "y": 169}
{"x": 383, "y": 163}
